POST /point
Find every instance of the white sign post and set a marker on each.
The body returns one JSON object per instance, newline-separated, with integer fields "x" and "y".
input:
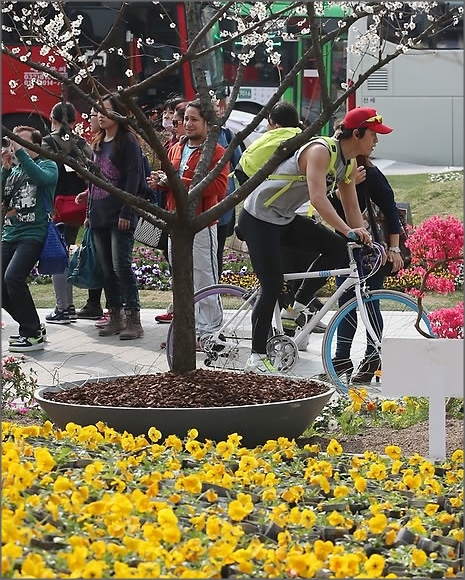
{"x": 421, "y": 367}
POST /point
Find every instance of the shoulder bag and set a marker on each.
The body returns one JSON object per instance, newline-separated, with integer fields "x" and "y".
{"x": 84, "y": 268}
{"x": 68, "y": 211}
{"x": 54, "y": 255}
{"x": 379, "y": 231}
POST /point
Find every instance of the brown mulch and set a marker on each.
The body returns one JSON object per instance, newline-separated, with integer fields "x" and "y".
{"x": 197, "y": 389}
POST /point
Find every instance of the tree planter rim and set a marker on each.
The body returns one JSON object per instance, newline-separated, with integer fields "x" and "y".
{"x": 38, "y": 396}
{"x": 255, "y": 423}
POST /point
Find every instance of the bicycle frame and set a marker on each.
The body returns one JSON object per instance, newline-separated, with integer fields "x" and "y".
{"x": 353, "y": 280}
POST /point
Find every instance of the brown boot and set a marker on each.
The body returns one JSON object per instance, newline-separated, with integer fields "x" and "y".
{"x": 116, "y": 324}
{"x": 133, "y": 326}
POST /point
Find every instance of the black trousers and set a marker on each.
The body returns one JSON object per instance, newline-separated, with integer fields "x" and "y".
{"x": 270, "y": 247}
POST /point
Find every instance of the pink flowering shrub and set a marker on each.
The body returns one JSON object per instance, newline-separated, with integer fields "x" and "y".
{"x": 436, "y": 245}
{"x": 448, "y": 322}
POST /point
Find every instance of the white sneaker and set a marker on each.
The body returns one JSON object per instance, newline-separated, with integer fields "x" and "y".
{"x": 262, "y": 366}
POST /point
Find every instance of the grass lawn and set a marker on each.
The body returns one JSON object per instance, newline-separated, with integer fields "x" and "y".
{"x": 428, "y": 198}
{"x": 44, "y": 298}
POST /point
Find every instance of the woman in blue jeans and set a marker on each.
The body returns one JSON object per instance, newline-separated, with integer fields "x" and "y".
{"x": 119, "y": 157}
{"x": 371, "y": 185}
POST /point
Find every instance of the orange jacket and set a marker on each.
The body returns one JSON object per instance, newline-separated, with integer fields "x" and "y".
{"x": 214, "y": 192}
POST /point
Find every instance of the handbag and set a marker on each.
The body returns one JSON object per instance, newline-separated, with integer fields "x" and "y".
{"x": 84, "y": 268}
{"x": 66, "y": 210}
{"x": 53, "y": 258}
{"x": 380, "y": 232}
{"x": 147, "y": 234}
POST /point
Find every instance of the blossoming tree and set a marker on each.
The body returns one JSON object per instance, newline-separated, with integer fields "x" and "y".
{"x": 59, "y": 34}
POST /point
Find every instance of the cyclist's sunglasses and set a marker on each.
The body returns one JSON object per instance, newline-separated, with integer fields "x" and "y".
{"x": 375, "y": 119}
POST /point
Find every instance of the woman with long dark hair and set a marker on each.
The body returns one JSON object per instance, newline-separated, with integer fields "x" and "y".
{"x": 119, "y": 157}
{"x": 372, "y": 187}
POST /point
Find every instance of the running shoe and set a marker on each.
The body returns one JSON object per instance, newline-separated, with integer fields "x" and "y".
{"x": 262, "y": 366}
{"x": 27, "y": 344}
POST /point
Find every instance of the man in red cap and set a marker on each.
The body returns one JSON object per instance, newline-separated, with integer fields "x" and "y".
{"x": 366, "y": 118}
{"x": 268, "y": 222}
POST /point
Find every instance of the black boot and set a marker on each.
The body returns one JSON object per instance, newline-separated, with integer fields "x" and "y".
{"x": 366, "y": 370}
{"x": 343, "y": 366}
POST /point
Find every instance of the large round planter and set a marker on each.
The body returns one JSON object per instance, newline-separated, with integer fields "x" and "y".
{"x": 256, "y": 423}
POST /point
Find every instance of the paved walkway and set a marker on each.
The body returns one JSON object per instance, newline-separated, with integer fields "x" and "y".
{"x": 76, "y": 352}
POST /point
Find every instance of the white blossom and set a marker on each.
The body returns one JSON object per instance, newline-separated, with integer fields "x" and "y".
{"x": 128, "y": 72}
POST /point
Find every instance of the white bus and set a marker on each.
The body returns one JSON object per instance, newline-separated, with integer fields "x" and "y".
{"x": 419, "y": 94}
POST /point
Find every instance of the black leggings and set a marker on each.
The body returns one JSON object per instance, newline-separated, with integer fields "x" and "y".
{"x": 268, "y": 244}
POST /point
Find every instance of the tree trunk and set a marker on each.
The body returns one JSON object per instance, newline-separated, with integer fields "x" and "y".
{"x": 184, "y": 337}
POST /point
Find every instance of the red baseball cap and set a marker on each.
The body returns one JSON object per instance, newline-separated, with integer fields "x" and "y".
{"x": 364, "y": 117}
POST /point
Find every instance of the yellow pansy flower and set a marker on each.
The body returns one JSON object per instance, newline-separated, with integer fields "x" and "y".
{"x": 412, "y": 481}
{"x": 360, "y": 394}
{"x": 293, "y": 494}
{"x": 431, "y": 509}
{"x": 269, "y": 494}
{"x": 377, "y": 471}
{"x": 360, "y": 484}
{"x": 33, "y": 566}
{"x": 44, "y": 460}
{"x": 419, "y": 557}
{"x": 191, "y": 483}
{"x": 341, "y": 491}
{"x": 374, "y": 566}
{"x": 192, "y": 434}
{"x": 388, "y": 406}
{"x": 334, "y": 448}
{"x": 377, "y": 523}
{"x": 335, "y": 519}
{"x": 393, "y": 452}
{"x": 457, "y": 456}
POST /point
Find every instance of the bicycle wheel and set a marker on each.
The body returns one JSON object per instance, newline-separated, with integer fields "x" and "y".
{"x": 228, "y": 347}
{"x": 391, "y": 314}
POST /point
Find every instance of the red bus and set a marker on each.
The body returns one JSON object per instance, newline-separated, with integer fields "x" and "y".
{"x": 28, "y": 95}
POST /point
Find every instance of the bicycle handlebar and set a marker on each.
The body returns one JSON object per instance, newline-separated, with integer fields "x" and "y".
{"x": 352, "y": 236}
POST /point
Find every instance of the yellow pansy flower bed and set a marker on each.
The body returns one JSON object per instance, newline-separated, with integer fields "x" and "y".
{"x": 88, "y": 502}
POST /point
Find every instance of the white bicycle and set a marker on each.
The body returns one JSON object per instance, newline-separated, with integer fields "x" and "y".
{"x": 229, "y": 346}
